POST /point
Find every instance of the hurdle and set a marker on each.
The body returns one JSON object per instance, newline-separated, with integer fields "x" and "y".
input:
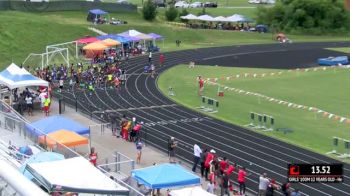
{"x": 261, "y": 121}
{"x": 335, "y": 145}
{"x": 346, "y": 153}
{"x": 209, "y": 105}
{"x": 252, "y": 120}
{"x": 171, "y": 91}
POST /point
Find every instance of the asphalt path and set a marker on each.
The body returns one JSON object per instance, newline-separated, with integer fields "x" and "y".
{"x": 163, "y": 119}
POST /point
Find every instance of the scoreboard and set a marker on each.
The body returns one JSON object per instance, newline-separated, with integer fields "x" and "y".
{"x": 307, "y": 173}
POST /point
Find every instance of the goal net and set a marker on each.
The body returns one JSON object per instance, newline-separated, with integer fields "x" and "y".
{"x": 57, "y": 56}
{"x": 72, "y": 47}
{"x": 63, "y": 53}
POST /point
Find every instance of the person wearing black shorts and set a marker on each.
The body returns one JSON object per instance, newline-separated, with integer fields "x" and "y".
{"x": 29, "y": 102}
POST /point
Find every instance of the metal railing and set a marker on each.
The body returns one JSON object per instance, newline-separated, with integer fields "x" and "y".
{"x": 120, "y": 171}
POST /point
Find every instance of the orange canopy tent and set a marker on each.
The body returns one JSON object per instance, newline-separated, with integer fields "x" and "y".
{"x": 94, "y": 49}
{"x": 67, "y": 138}
{"x": 110, "y": 42}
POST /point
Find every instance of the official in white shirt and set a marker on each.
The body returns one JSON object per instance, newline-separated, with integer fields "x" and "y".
{"x": 197, "y": 155}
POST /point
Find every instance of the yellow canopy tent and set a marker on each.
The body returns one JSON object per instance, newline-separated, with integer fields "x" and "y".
{"x": 110, "y": 42}
{"x": 94, "y": 49}
{"x": 67, "y": 138}
{"x": 95, "y": 46}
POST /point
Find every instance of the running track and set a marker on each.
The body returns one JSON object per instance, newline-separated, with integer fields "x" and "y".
{"x": 258, "y": 153}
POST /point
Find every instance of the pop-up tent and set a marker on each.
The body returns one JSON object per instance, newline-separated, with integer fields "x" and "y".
{"x": 14, "y": 77}
{"x": 130, "y": 33}
{"x": 116, "y": 37}
{"x": 74, "y": 175}
{"x": 39, "y": 158}
{"x": 95, "y": 14}
{"x": 190, "y": 191}
{"x": 87, "y": 40}
{"x": 189, "y": 17}
{"x": 55, "y": 123}
{"x": 94, "y": 49}
{"x": 110, "y": 42}
{"x": 205, "y": 18}
{"x": 165, "y": 176}
{"x": 67, "y": 138}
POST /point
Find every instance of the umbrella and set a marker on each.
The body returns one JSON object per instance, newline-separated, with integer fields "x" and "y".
{"x": 38, "y": 158}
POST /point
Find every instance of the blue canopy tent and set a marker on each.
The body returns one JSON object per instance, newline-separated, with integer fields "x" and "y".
{"x": 55, "y": 123}
{"x": 15, "y": 77}
{"x": 165, "y": 176}
{"x": 95, "y": 14}
{"x": 114, "y": 37}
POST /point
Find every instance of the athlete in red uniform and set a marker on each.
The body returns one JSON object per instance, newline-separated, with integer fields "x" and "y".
{"x": 201, "y": 85}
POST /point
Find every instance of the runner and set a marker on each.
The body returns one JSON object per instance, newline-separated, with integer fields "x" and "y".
{"x": 201, "y": 86}
{"x": 161, "y": 60}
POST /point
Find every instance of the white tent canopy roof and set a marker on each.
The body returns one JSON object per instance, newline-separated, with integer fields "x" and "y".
{"x": 14, "y": 77}
{"x": 189, "y": 17}
{"x": 220, "y": 19}
{"x": 131, "y": 33}
{"x": 190, "y": 191}
{"x": 235, "y": 18}
{"x": 74, "y": 175}
{"x": 205, "y": 18}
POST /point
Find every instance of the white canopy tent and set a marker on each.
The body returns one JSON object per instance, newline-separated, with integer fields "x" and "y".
{"x": 189, "y": 17}
{"x": 74, "y": 175}
{"x": 220, "y": 19}
{"x": 205, "y": 18}
{"x": 235, "y": 18}
{"x": 15, "y": 77}
{"x": 190, "y": 191}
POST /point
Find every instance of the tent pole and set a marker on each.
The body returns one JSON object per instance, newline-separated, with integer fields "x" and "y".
{"x": 76, "y": 51}
{"x": 42, "y": 62}
{"x": 67, "y": 57}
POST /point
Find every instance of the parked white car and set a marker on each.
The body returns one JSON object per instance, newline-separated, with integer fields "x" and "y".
{"x": 196, "y": 4}
{"x": 182, "y": 4}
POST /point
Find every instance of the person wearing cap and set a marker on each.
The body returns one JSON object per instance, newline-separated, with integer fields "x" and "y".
{"x": 172, "y": 146}
{"x": 208, "y": 160}
{"x": 263, "y": 184}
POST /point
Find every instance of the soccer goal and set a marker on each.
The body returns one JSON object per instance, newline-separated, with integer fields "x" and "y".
{"x": 57, "y": 56}
{"x": 63, "y": 53}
